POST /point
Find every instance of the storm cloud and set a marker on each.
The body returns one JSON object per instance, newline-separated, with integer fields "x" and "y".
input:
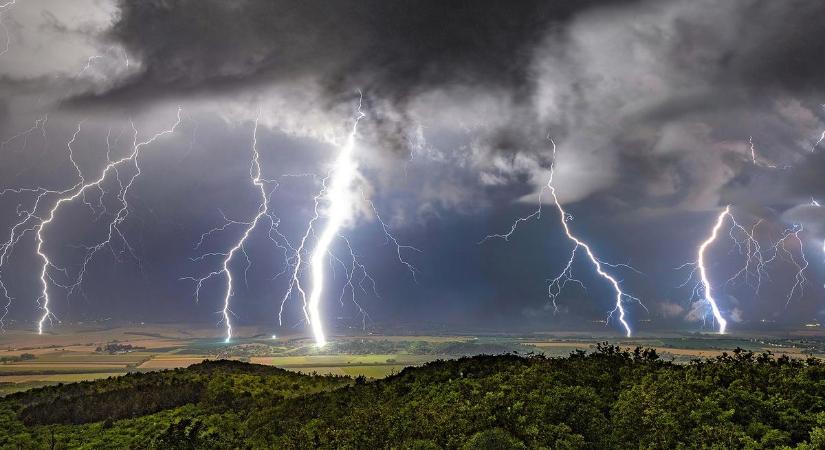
{"x": 392, "y": 50}
{"x": 660, "y": 99}
{"x": 661, "y": 112}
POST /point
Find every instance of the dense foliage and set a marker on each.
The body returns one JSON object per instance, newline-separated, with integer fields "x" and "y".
{"x": 611, "y": 398}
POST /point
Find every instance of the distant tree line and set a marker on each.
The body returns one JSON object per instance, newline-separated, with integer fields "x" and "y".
{"x": 116, "y": 347}
{"x": 21, "y": 357}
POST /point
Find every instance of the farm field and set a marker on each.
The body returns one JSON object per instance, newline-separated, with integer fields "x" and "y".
{"x": 69, "y": 354}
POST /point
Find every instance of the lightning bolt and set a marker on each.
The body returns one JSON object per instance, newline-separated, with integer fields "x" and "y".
{"x": 757, "y": 258}
{"x": 558, "y": 283}
{"x": 333, "y": 204}
{"x": 821, "y": 138}
{"x": 9, "y": 299}
{"x": 39, "y": 124}
{"x": 33, "y": 221}
{"x": 818, "y": 141}
{"x": 703, "y": 272}
{"x": 337, "y": 195}
{"x": 801, "y": 264}
{"x": 818, "y": 205}
{"x": 29, "y": 221}
{"x": 89, "y": 62}
{"x": 762, "y": 161}
{"x": 7, "y": 38}
{"x": 336, "y": 192}
{"x": 112, "y": 166}
{"x": 753, "y": 150}
{"x": 399, "y": 248}
{"x": 263, "y": 213}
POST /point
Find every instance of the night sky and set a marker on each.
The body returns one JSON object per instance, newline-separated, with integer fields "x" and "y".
{"x": 662, "y": 112}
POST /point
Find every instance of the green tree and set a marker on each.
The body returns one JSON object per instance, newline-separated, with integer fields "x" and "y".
{"x": 494, "y": 439}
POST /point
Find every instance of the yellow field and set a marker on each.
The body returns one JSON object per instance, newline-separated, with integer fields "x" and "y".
{"x": 59, "y": 378}
{"x": 60, "y": 368}
{"x": 367, "y": 365}
{"x": 172, "y": 362}
{"x": 561, "y": 344}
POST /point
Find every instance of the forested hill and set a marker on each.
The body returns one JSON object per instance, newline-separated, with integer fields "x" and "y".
{"x": 610, "y": 398}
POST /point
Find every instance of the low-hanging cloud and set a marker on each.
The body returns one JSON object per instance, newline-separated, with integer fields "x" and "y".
{"x": 653, "y": 104}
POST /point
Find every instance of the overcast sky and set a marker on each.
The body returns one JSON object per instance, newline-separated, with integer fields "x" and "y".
{"x": 663, "y": 113}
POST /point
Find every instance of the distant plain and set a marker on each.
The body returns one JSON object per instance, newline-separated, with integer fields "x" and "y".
{"x": 86, "y": 352}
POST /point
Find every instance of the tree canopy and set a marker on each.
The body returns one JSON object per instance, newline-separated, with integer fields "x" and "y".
{"x": 609, "y": 398}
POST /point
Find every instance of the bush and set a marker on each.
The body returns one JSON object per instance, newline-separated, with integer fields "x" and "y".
{"x": 494, "y": 439}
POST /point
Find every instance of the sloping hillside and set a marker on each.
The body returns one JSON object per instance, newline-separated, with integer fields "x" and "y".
{"x": 611, "y": 398}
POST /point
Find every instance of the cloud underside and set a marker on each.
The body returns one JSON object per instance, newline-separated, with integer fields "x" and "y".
{"x": 654, "y": 104}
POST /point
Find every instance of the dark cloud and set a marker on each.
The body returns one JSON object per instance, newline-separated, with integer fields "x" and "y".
{"x": 636, "y": 85}
{"x": 780, "y": 44}
{"x": 695, "y": 83}
{"x": 391, "y": 49}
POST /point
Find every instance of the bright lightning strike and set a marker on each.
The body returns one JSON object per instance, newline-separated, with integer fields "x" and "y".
{"x": 703, "y": 273}
{"x": 818, "y": 205}
{"x": 557, "y": 284}
{"x": 338, "y": 195}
